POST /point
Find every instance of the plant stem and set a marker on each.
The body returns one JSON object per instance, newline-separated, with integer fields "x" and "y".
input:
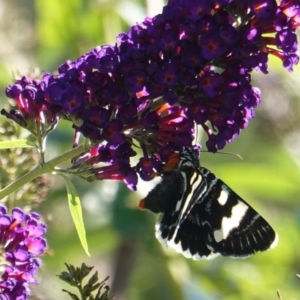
{"x": 39, "y": 170}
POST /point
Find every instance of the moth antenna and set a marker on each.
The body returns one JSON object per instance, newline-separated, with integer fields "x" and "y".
{"x": 228, "y": 153}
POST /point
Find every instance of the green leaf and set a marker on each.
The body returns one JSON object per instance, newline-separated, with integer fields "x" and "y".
{"x": 76, "y": 212}
{"x": 65, "y": 276}
{"x": 17, "y": 144}
{"x": 73, "y": 296}
{"x": 93, "y": 279}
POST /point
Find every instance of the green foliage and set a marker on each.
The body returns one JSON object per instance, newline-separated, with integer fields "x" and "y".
{"x": 268, "y": 178}
{"x": 76, "y": 212}
{"x": 74, "y": 277}
{"x": 67, "y": 29}
{"x": 24, "y": 143}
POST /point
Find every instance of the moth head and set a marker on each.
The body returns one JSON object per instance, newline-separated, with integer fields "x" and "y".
{"x": 141, "y": 204}
{"x": 189, "y": 153}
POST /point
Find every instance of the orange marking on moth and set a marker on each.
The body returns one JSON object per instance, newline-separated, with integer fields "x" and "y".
{"x": 172, "y": 162}
{"x": 141, "y": 204}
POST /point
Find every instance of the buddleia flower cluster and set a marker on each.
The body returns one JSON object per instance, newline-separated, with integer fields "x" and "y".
{"x": 189, "y": 65}
{"x": 21, "y": 242}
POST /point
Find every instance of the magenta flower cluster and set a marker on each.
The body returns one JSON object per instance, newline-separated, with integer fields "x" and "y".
{"x": 21, "y": 242}
{"x": 189, "y": 65}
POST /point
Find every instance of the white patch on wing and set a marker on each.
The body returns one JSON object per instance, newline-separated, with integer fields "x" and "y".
{"x": 237, "y": 214}
{"x": 196, "y": 256}
{"x": 178, "y": 247}
{"x": 171, "y": 243}
{"x": 211, "y": 256}
{"x": 195, "y": 180}
{"x": 218, "y": 235}
{"x": 186, "y": 253}
{"x": 179, "y": 202}
{"x": 222, "y": 199}
{"x": 158, "y": 235}
{"x": 254, "y": 238}
{"x": 178, "y": 205}
{"x": 275, "y": 242}
{"x": 248, "y": 242}
{"x": 258, "y": 231}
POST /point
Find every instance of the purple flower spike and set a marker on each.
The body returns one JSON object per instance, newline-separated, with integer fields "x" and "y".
{"x": 189, "y": 65}
{"x": 21, "y": 238}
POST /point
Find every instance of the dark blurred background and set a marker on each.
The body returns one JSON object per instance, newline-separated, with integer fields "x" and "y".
{"x": 43, "y": 34}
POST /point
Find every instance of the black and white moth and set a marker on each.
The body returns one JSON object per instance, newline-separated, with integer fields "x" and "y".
{"x": 201, "y": 217}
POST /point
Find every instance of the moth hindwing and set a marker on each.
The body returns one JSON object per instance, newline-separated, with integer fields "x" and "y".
{"x": 201, "y": 217}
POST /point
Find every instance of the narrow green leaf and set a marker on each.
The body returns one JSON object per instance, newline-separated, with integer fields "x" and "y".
{"x": 73, "y": 296}
{"x": 76, "y": 212}
{"x": 17, "y": 144}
